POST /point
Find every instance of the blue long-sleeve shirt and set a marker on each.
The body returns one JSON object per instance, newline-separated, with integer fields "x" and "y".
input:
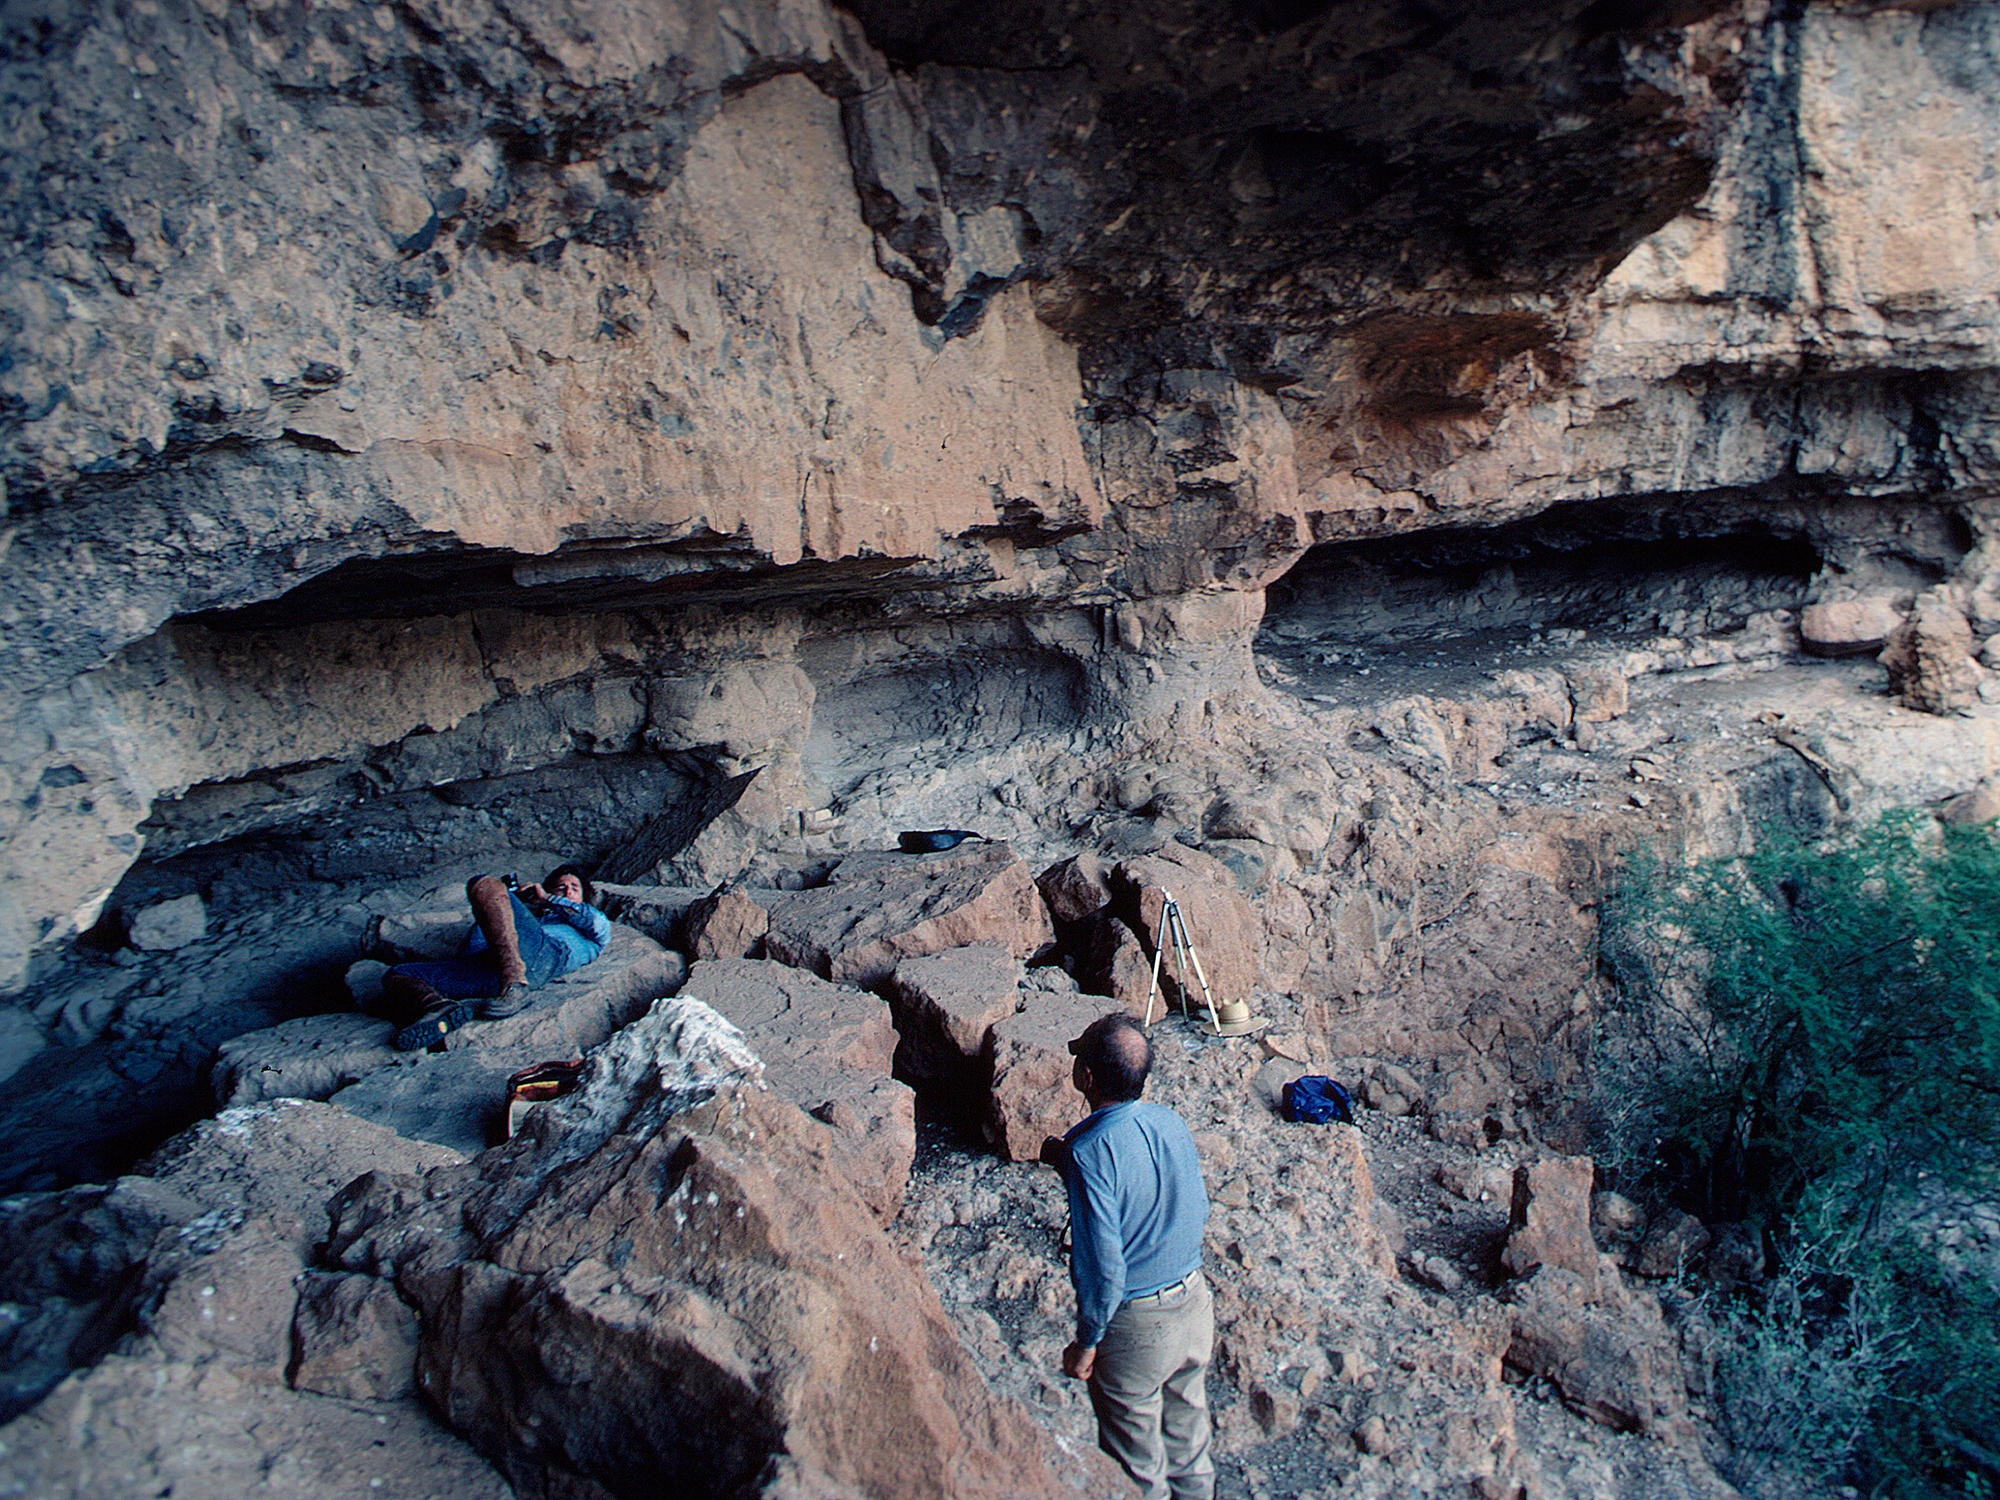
{"x": 1137, "y": 1209}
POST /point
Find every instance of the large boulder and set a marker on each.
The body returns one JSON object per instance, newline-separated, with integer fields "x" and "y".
{"x": 1222, "y": 927}
{"x": 1075, "y": 888}
{"x": 665, "y": 1285}
{"x": 945, "y": 1005}
{"x": 1030, "y": 1096}
{"x": 1607, "y": 1351}
{"x": 828, "y": 1048}
{"x": 1550, "y": 1220}
{"x": 727, "y": 923}
{"x": 1929, "y": 658}
{"x": 882, "y": 908}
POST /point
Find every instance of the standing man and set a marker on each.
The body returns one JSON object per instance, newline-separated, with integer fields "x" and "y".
{"x": 1145, "y": 1322}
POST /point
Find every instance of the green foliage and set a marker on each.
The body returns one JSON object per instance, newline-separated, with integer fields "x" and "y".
{"x": 1831, "y": 1014}
{"x": 1797, "y": 1381}
{"x": 1811, "y": 1035}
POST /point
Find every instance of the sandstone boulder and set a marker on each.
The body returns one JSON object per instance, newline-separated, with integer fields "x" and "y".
{"x": 1611, "y": 1357}
{"x": 1929, "y": 657}
{"x": 1031, "y": 1097}
{"x": 726, "y": 924}
{"x": 880, "y": 909}
{"x": 1850, "y": 626}
{"x": 945, "y": 1004}
{"x": 169, "y": 925}
{"x": 353, "y": 1338}
{"x": 1221, "y": 924}
{"x": 133, "y": 1428}
{"x": 1550, "y": 1219}
{"x": 1598, "y": 694}
{"x": 1116, "y": 964}
{"x": 828, "y": 1048}
{"x": 313, "y": 1057}
{"x": 1075, "y": 888}
{"x": 424, "y": 935}
{"x": 665, "y": 1285}
{"x": 1971, "y": 809}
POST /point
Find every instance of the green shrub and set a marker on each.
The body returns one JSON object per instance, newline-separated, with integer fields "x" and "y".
{"x": 1798, "y": 1382}
{"x": 1811, "y": 1034}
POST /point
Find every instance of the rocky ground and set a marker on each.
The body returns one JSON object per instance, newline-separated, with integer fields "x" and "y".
{"x": 1367, "y": 1381}
{"x": 1364, "y": 1313}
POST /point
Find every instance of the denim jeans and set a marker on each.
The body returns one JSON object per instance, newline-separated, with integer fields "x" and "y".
{"x": 1151, "y": 1393}
{"x": 476, "y": 976}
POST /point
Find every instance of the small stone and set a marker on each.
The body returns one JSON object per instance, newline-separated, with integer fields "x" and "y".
{"x": 169, "y": 925}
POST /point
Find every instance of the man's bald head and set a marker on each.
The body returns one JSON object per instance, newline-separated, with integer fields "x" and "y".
{"x": 1119, "y": 1055}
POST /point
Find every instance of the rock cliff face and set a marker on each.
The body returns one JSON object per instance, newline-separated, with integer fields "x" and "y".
{"x": 398, "y": 399}
{"x": 1358, "y": 466}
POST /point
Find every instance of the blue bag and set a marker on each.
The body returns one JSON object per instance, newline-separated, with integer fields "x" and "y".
{"x": 1314, "y": 1100}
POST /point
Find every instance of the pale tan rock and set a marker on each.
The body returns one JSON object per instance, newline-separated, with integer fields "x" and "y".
{"x": 169, "y": 925}
{"x": 1844, "y": 627}
{"x": 1929, "y": 658}
{"x": 880, "y": 909}
{"x": 1598, "y": 695}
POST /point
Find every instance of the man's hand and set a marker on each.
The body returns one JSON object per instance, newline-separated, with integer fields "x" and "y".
{"x": 1078, "y": 1362}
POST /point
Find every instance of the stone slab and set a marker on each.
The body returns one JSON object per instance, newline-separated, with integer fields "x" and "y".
{"x": 1031, "y": 1096}
{"x": 945, "y": 1004}
{"x": 881, "y": 908}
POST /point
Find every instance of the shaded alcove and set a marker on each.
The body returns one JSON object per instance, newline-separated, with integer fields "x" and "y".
{"x": 1606, "y": 570}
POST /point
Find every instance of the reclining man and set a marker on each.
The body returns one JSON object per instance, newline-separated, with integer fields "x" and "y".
{"x": 521, "y": 940}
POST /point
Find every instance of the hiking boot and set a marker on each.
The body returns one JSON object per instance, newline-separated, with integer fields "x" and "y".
{"x": 405, "y": 997}
{"x": 509, "y": 1002}
{"x": 434, "y": 1026}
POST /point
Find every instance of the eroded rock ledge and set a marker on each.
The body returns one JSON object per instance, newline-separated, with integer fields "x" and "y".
{"x": 359, "y": 321}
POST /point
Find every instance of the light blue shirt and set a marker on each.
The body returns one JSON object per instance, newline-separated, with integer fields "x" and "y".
{"x": 1137, "y": 1209}
{"x": 582, "y": 930}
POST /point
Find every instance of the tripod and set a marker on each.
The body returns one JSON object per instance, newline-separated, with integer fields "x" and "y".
{"x": 1234, "y": 1017}
{"x": 1174, "y": 935}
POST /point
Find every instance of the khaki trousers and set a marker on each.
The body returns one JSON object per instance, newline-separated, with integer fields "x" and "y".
{"x": 1151, "y": 1394}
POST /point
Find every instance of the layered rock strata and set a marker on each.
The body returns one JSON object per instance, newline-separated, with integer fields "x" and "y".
{"x": 1055, "y": 330}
